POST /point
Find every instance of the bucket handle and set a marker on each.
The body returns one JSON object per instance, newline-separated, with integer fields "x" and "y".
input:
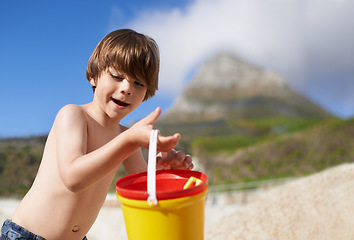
{"x": 151, "y": 173}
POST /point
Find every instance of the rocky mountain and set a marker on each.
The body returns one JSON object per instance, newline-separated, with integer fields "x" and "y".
{"x": 229, "y": 97}
{"x": 244, "y": 123}
{"x": 228, "y": 87}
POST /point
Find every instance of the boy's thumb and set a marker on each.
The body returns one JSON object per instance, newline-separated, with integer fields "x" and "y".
{"x": 153, "y": 116}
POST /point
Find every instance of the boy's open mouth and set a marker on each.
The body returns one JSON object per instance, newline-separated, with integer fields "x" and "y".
{"x": 120, "y": 103}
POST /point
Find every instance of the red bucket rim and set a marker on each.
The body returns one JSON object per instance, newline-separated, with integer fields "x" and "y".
{"x": 123, "y": 185}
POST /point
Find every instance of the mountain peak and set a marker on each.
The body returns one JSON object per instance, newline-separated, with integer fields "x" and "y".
{"x": 226, "y": 71}
{"x": 227, "y": 87}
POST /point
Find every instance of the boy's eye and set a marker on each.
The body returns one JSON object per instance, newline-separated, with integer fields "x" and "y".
{"x": 139, "y": 84}
{"x": 117, "y": 77}
{"x": 120, "y": 78}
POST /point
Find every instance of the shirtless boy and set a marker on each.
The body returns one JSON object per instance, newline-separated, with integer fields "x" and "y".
{"x": 86, "y": 144}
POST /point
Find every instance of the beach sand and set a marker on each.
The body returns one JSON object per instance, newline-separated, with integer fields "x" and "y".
{"x": 318, "y": 207}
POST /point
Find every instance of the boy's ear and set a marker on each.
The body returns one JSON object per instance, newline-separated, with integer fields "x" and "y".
{"x": 93, "y": 82}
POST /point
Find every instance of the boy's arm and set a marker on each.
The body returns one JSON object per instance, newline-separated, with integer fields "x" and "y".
{"x": 75, "y": 163}
{"x": 135, "y": 163}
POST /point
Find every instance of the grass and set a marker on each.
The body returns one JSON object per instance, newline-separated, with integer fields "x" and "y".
{"x": 289, "y": 155}
{"x": 258, "y": 130}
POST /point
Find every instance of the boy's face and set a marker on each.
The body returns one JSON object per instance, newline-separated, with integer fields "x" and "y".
{"x": 117, "y": 94}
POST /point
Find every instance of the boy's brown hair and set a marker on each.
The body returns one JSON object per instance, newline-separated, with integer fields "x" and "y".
{"x": 127, "y": 51}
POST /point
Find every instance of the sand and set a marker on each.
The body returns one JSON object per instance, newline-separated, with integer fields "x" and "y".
{"x": 320, "y": 207}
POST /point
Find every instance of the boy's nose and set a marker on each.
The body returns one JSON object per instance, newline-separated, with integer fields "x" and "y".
{"x": 125, "y": 87}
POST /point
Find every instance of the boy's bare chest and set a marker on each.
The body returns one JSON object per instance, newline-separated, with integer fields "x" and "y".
{"x": 97, "y": 141}
{"x": 99, "y": 136}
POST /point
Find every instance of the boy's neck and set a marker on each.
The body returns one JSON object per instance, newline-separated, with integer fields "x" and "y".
{"x": 101, "y": 118}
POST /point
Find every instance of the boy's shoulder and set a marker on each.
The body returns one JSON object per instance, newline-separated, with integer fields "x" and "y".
{"x": 71, "y": 110}
{"x": 71, "y": 113}
{"x": 122, "y": 128}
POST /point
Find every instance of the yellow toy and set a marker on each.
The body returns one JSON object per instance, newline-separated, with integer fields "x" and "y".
{"x": 171, "y": 206}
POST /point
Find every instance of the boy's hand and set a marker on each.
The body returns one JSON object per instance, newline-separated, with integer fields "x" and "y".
{"x": 174, "y": 160}
{"x": 141, "y": 133}
{"x": 168, "y": 158}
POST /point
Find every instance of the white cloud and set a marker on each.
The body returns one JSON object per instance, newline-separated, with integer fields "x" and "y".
{"x": 297, "y": 38}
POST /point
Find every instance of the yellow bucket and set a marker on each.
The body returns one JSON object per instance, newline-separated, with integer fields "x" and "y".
{"x": 165, "y": 204}
{"x": 178, "y": 214}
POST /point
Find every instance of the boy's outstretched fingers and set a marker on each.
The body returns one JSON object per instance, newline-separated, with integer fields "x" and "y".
{"x": 183, "y": 161}
{"x": 153, "y": 116}
{"x": 175, "y": 160}
{"x": 141, "y": 130}
{"x": 186, "y": 163}
{"x": 165, "y": 144}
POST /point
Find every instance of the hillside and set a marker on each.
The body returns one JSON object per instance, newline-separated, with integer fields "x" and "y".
{"x": 301, "y": 153}
{"x": 246, "y": 123}
{"x": 19, "y": 161}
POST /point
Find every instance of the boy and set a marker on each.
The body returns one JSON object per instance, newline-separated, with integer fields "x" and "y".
{"x": 86, "y": 144}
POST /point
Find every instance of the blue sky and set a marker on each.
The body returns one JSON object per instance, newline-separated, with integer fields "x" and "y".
{"x": 45, "y": 46}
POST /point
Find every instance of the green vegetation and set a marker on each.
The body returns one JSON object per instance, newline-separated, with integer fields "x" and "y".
{"x": 19, "y": 161}
{"x": 257, "y": 131}
{"x": 299, "y": 153}
{"x": 228, "y": 144}
{"x": 278, "y": 125}
{"x": 267, "y": 149}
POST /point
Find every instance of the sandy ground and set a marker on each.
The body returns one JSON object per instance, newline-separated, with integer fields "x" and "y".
{"x": 320, "y": 207}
